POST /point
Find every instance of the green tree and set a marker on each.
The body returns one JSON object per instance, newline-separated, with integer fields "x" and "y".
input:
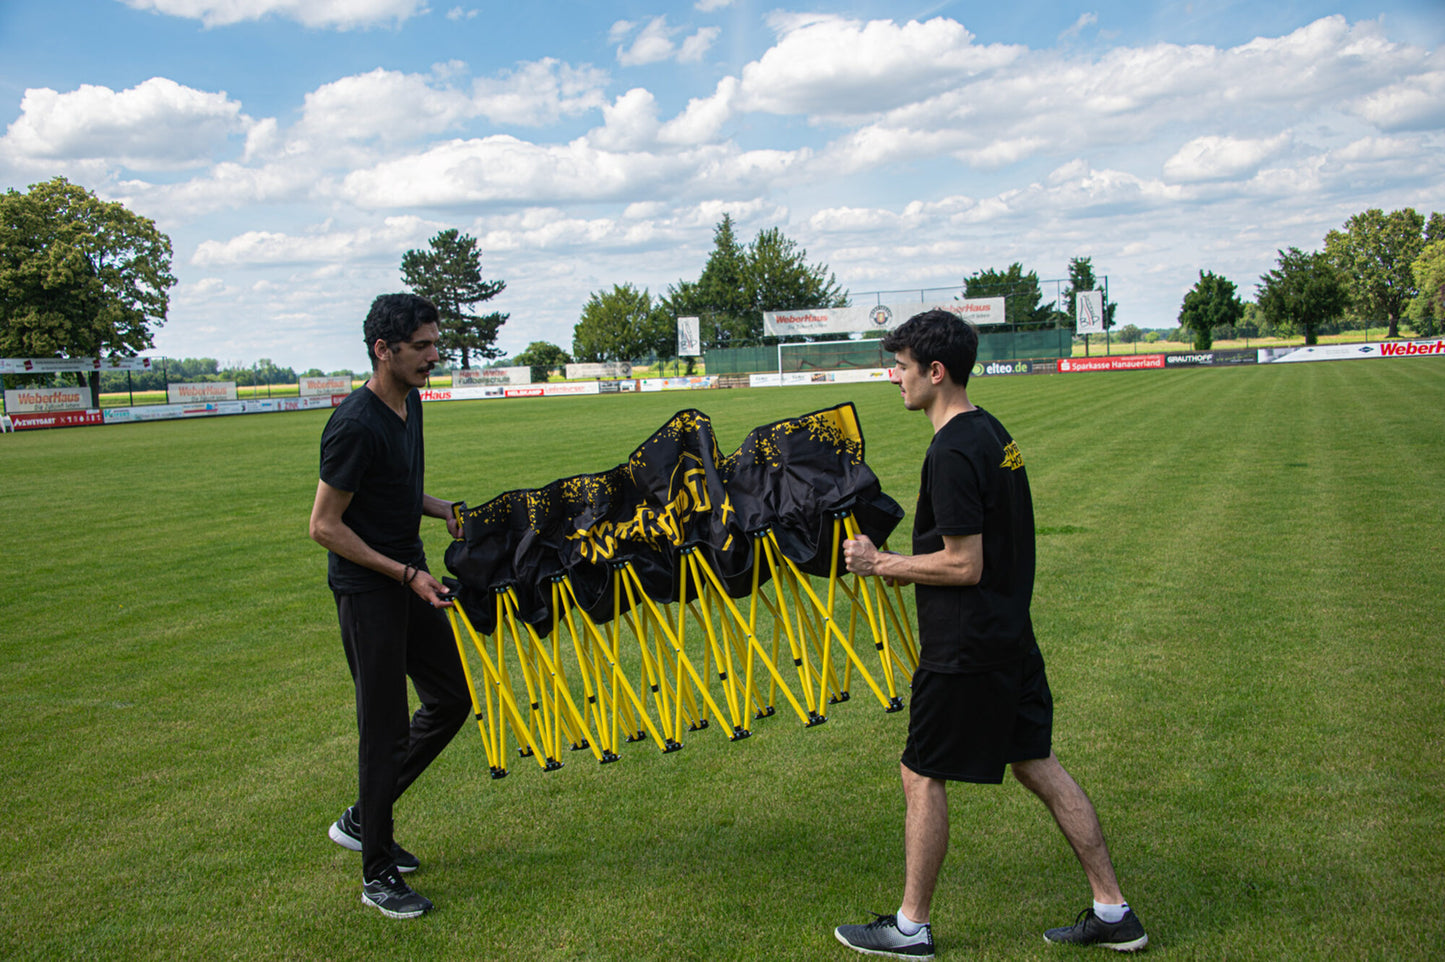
{"x": 719, "y": 297}
{"x": 543, "y": 358}
{"x": 1427, "y": 310}
{"x": 1211, "y": 304}
{"x": 449, "y": 274}
{"x": 1130, "y": 334}
{"x": 79, "y": 277}
{"x": 622, "y": 324}
{"x": 1021, "y": 293}
{"x": 1374, "y": 253}
{"x": 1303, "y": 293}
{"x": 739, "y": 283}
{"x": 1081, "y": 278}
{"x": 779, "y": 278}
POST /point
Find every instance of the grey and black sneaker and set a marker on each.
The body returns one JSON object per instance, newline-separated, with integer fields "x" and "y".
{"x": 882, "y": 937}
{"x": 346, "y": 832}
{"x": 1125, "y": 935}
{"x": 393, "y": 898}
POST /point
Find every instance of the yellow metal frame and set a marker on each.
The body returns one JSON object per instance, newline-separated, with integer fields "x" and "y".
{"x": 523, "y": 685}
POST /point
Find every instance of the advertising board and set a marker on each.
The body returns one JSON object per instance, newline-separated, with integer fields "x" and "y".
{"x": 41, "y": 400}
{"x": 1119, "y": 362}
{"x": 204, "y": 391}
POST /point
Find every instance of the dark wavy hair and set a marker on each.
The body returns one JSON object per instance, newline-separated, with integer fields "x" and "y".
{"x": 394, "y": 318}
{"x": 937, "y": 335}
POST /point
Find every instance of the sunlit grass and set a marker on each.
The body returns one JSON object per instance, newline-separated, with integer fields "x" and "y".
{"x": 1238, "y": 595}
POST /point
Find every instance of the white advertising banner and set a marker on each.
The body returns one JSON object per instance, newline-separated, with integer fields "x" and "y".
{"x": 697, "y": 382}
{"x": 481, "y": 377}
{"x": 42, "y": 400}
{"x": 1351, "y": 352}
{"x": 1089, "y": 312}
{"x": 62, "y": 365}
{"x": 203, "y": 392}
{"x": 884, "y": 317}
{"x": 318, "y": 386}
{"x": 689, "y": 337}
{"x": 599, "y": 370}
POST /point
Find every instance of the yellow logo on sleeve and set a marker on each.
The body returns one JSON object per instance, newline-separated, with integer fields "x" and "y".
{"x": 1013, "y": 458}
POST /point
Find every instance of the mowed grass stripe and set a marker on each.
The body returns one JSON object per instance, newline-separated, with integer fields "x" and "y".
{"x": 1238, "y": 593}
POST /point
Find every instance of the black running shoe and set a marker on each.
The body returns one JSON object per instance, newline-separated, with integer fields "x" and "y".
{"x": 346, "y": 832}
{"x": 393, "y": 898}
{"x": 882, "y": 937}
{"x": 1125, "y": 935}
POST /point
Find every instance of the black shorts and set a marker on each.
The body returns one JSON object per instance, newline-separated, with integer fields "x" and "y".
{"x": 968, "y": 728}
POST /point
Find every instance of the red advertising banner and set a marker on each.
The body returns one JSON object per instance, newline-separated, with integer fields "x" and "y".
{"x": 1413, "y": 348}
{"x": 1121, "y": 362}
{"x": 55, "y": 419}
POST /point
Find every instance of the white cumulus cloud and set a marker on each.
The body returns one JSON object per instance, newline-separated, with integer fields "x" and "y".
{"x": 654, "y": 42}
{"x": 156, "y": 125}
{"x": 382, "y": 104}
{"x": 338, "y": 14}
{"x": 267, "y": 247}
{"x": 1222, "y": 158}
{"x": 834, "y": 66}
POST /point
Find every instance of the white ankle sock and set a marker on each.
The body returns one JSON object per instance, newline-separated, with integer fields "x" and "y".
{"x": 907, "y": 926}
{"x": 1110, "y": 913}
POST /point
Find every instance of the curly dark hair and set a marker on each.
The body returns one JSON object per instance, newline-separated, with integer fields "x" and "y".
{"x": 937, "y": 335}
{"x": 394, "y": 318}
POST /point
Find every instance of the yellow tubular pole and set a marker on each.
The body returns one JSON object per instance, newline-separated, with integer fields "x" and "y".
{"x": 585, "y": 667}
{"x": 720, "y": 655}
{"x": 800, "y": 662}
{"x": 896, "y": 609}
{"x": 654, "y": 678}
{"x": 809, "y": 629}
{"x": 559, "y": 681}
{"x": 847, "y": 648}
{"x": 749, "y": 631}
{"x": 880, "y": 599}
{"x": 536, "y": 718}
{"x": 852, "y": 635}
{"x": 508, "y": 703}
{"x": 888, "y": 656}
{"x": 652, "y": 657}
{"x": 752, "y": 639}
{"x": 806, "y": 629}
{"x": 618, "y": 676}
{"x": 573, "y": 716}
{"x": 601, "y": 711}
{"x": 471, "y": 685}
{"x": 502, "y": 687}
{"x": 842, "y": 686}
{"x": 681, "y": 655}
{"x": 539, "y": 738}
{"x": 737, "y": 648}
{"x": 862, "y": 590}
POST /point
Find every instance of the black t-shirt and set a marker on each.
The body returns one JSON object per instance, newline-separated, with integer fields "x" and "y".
{"x": 376, "y": 456}
{"x": 974, "y": 483}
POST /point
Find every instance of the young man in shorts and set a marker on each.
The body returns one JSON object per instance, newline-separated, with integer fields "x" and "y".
{"x": 981, "y": 699}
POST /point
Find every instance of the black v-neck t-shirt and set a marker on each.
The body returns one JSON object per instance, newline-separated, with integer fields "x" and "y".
{"x": 379, "y": 458}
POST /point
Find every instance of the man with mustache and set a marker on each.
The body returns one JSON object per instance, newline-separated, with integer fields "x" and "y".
{"x": 369, "y": 504}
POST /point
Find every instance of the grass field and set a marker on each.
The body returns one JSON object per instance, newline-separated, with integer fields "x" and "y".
{"x": 1096, "y": 348}
{"x": 1239, "y": 594}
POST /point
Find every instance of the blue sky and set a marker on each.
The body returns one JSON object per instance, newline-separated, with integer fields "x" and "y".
{"x": 294, "y": 149}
